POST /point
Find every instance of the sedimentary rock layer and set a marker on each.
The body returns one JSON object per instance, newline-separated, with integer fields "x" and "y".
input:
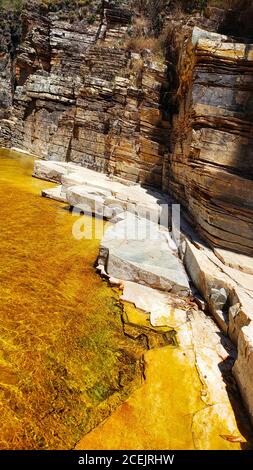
{"x": 72, "y": 91}
{"x": 212, "y": 163}
{"x": 78, "y": 95}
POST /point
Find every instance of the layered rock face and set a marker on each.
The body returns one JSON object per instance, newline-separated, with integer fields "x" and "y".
{"x": 9, "y": 37}
{"x": 211, "y": 172}
{"x": 80, "y": 96}
{"x": 71, "y": 91}
{"x": 212, "y": 162}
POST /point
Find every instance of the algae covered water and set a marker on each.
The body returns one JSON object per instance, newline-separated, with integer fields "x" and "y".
{"x": 64, "y": 361}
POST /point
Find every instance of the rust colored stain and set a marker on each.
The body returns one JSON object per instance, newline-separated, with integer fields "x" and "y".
{"x": 63, "y": 355}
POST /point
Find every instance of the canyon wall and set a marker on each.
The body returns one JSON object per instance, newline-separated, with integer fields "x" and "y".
{"x": 211, "y": 167}
{"x": 211, "y": 174}
{"x": 72, "y": 90}
{"x": 75, "y": 93}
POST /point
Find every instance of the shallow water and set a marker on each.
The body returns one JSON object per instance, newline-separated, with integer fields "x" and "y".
{"x": 173, "y": 409}
{"x": 65, "y": 364}
{"x": 64, "y": 361}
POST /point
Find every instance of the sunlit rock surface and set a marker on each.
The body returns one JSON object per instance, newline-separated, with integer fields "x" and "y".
{"x": 243, "y": 369}
{"x": 229, "y": 295}
{"x": 80, "y": 96}
{"x": 135, "y": 249}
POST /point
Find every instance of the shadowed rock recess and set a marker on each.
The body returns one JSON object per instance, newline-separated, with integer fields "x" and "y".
{"x": 149, "y": 126}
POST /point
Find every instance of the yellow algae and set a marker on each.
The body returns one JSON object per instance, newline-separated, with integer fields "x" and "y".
{"x": 137, "y": 325}
{"x": 208, "y": 428}
{"x": 167, "y": 412}
{"x": 136, "y": 316}
{"x": 63, "y": 356}
{"x": 159, "y": 414}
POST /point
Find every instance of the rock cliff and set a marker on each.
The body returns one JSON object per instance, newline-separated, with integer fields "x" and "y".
{"x": 179, "y": 119}
{"x": 72, "y": 91}
{"x": 212, "y": 162}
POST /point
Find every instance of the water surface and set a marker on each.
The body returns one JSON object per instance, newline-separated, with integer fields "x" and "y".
{"x": 64, "y": 361}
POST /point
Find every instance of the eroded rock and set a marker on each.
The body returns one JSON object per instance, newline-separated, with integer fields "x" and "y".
{"x": 79, "y": 94}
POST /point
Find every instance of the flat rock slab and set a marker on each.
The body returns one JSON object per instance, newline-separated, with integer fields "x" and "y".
{"x": 180, "y": 418}
{"x": 137, "y": 250}
{"x": 111, "y": 198}
{"x": 101, "y": 194}
{"x": 243, "y": 368}
{"x": 221, "y": 286}
{"x": 89, "y": 199}
{"x": 92, "y": 178}
{"x": 234, "y": 260}
{"x": 165, "y": 310}
{"x": 52, "y": 170}
{"x": 54, "y": 193}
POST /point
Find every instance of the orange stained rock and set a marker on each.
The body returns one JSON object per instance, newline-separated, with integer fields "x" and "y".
{"x": 166, "y": 412}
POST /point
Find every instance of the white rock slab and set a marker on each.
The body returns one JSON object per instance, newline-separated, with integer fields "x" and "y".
{"x": 164, "y": 309}
{"x": 243, "y": 368}
{"x": 137, "y": 250}
{"x": 235, "y": 260}
{"x": 54, "y": 193}
{"x": 91, "y": 178}
{"x": 52, "y": 170}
